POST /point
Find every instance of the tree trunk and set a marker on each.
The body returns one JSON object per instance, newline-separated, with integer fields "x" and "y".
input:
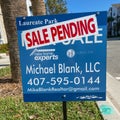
{"x": 38, "y": 7}
{"x": 10, "y": 10}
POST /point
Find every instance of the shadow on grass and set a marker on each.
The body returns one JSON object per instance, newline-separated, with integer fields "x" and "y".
{"x": 7, "y": 80}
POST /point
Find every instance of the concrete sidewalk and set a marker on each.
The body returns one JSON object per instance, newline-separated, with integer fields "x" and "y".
{"x": 4, "y": 60}
{"x": 110, "y": 108}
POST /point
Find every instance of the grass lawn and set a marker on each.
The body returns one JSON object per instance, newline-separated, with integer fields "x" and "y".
{"x": 13, "y": 108}
{"x": 5, "y": 72}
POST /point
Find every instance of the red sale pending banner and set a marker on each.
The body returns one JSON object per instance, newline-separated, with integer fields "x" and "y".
{"x": 60, "y": 32}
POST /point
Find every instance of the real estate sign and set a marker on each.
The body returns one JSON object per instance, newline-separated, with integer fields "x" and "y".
{"x": 63, "y": 57}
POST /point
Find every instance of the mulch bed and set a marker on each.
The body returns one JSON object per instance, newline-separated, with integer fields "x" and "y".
{"x": 9, "y": 88}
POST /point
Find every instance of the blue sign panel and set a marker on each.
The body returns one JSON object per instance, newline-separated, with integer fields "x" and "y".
{"x": 63, "y": 57}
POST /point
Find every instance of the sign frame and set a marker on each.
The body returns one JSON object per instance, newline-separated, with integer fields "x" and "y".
{"x": 71, "y": 70}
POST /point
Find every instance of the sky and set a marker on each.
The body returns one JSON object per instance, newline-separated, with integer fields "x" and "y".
{"x": 75, "y": 6}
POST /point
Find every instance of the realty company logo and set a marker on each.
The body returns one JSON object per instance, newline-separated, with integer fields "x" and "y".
{"x": 44, "y": 54}
{"x": 70, "y": 53}
{"x": 48, "y": 54}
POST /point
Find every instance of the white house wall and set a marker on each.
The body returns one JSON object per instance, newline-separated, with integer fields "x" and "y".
{"x": 3, "y": 38}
